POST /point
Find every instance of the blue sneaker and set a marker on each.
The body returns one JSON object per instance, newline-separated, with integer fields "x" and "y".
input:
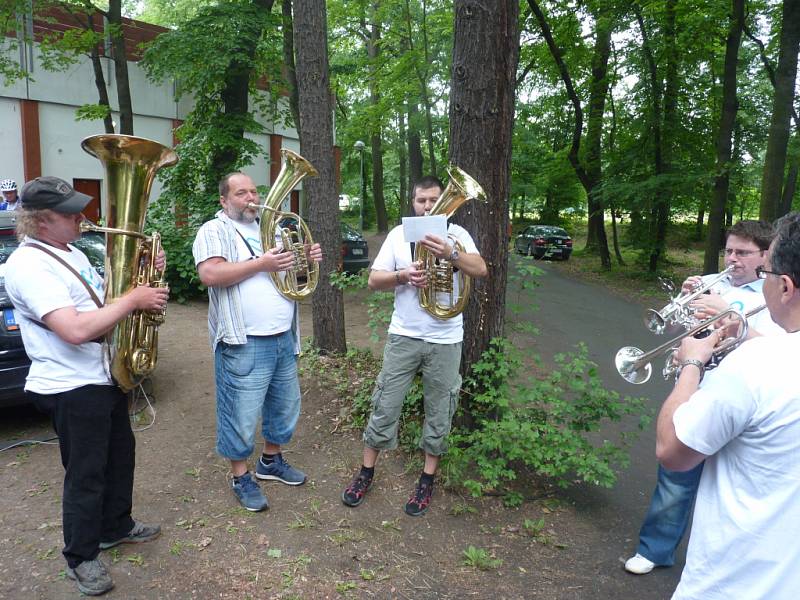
{"x": 280, "y": 470}
{"x": 249, "y": 494}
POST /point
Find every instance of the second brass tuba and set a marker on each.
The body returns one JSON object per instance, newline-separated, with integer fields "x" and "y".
{"x": 441, "y": 298}
{"x": 130, "y": 165}
{"x": 301, "y": 280}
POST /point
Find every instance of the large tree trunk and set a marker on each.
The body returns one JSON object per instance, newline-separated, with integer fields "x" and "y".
{"x": 414, "y": 145}
{"x": 719, "y": 199}
{"x": 100, "y": 79}
{"x": 114, "y": 16}
{"x": 785, "y": 74}
{"x": 289, "y": 73}
{"x": 402, "y": 161}
{"x": 316, "y": 145}
{"x": 485, "y": 59}
{"x": 594, "y": 132}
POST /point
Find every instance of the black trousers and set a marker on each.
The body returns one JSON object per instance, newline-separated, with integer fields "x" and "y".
{"x": 97, "y": 451}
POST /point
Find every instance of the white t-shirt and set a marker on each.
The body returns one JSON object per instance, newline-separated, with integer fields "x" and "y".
{"x": 745, "y": 298}
{"x": 37, "y": 285}
{"x": 265, "y": 311}
{"x": 746, "y": 418}
{"x": 408, "y": 318}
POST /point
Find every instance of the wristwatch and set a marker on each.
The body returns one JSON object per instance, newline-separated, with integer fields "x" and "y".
{"x": 453, "y": 255}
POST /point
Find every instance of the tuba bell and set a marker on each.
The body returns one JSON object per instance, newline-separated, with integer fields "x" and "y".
{"x": 301, "y": 280}
{"x": 130, "y": 165}
{"x": 442, "y": 298}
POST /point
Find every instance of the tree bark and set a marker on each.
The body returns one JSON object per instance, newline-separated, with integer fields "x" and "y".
{"x": 414, "y": 145}
{"x": 316, "y": 145}
{"x": 724, "y": 144}
{"x": 485, "y": 59}
{"x": 289, "y": 73}
{"x": 100, "y": 79}
{"x": 778, "y": 140}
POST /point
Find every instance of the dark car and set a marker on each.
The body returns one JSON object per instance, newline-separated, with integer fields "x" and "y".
{"x": 544, "y": 241}
{"x": 14, "y": 363}
{"x": 355, "y": 253}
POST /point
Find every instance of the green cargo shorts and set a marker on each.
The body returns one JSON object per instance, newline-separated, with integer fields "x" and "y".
{"x": 403, "y": 357}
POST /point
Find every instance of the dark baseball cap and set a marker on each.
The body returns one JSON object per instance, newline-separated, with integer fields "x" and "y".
{"x": 53, "y": 193}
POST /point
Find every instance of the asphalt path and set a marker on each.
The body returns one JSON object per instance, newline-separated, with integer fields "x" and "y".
{"x": 567, "y": 312}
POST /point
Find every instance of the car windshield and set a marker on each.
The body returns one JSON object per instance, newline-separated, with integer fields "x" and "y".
{"x": 348, "y": 233}
{"x": 548, "y": 230}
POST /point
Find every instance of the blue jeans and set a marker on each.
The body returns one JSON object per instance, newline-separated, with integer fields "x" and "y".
{"x": 256, "y": 379}
{"x": 668, "y": 516}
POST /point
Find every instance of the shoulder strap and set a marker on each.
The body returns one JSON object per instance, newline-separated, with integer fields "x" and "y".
{"x": 71, "y": 270}
{"x": 246, "y": 243}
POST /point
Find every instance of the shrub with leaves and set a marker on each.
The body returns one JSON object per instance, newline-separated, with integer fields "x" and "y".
{"x": 545, "y": 424}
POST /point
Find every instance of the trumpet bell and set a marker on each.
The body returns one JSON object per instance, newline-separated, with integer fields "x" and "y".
{"x": 654, "y": 321}
{"x": 626, "y": 363}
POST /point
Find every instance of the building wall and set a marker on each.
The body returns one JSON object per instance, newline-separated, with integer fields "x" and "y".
{"x": 58, "y": 94}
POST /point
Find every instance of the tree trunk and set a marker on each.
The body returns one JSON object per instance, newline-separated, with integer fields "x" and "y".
{"x": 785, "y": 74}
{"x": 596, "y": 238}
{"x": 402, "y": 161}
{"x": 289, "y": 73}
{"x": 414, "y": 146}
{"x": 719, "y": 199}
{"x": 316, "y": 145}
{"x": 598, "y": 92}
{"x": 100, "y": 79}
{"x": 374, "y": 100}
{"x": 485, "y": 59}
{"x": 114, "y": 16}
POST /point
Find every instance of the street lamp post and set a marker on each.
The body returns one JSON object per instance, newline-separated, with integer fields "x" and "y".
{"x": 359, "y": 145}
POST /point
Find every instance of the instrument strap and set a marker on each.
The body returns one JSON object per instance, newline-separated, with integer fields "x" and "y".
{"x": 246, "y": 243}
{"x": 71, "y": 270}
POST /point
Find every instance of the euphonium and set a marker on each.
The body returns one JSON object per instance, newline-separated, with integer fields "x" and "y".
{"x": 289, "y": 283}
{"x": 130, "y": 165}
{"x": 441, "y": 298}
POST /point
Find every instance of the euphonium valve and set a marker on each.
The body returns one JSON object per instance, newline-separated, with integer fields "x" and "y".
{"x": 292, "y": 231}
{"x": 442, "y": 297}
{"x": 130, "y": 165}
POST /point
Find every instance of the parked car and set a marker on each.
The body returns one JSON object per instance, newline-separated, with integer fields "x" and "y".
{"x": 14, "y": 362}
{"x": 355, "y": 253}
{"x": 544, "y": 241}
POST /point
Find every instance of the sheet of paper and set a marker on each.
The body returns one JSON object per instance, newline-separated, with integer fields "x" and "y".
{"x": 415, "y": 228}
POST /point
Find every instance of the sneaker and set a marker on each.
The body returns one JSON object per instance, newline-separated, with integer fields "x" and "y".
{"x": 249, "y": 494}
{"x": 639, "y": 565}
{"x": 280, "y": 470}
{"x": 141, "y": 532}
{"x": 92, "y": 577}
{"x": 420, "y": 500}
{"x": 353, "y": 495}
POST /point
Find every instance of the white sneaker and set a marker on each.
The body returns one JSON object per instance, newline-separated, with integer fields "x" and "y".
{"x": 639, "y": 565}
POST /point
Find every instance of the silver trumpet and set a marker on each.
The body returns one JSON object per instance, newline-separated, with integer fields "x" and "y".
{"x": 635, "y": 365}
{"x": 678, "y": 311}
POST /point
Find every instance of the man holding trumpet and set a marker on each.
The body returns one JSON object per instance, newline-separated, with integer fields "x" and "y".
{"x": 743, "y": 420}
{"x": 667, "y": 518}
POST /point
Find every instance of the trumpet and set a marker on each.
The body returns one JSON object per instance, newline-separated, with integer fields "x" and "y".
{"x": 677, "y": 311}
{"x": 635, "y": 365}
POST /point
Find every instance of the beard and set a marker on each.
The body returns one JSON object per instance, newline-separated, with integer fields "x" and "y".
{"x": 242, "y": 215}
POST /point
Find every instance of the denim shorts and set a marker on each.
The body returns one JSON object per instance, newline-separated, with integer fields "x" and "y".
{"x": 255, "y": 379}
{"x": 403, "y": 357}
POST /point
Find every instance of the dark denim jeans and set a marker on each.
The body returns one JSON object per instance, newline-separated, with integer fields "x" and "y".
{"x": 668, "y": 515}
{"x": 97, "y": 451}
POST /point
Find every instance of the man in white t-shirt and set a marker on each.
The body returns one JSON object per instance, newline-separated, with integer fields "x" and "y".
{"x": 416, "y": 340}
{"x": 743, "y": 419}
{"x": 667, "y": 517}
{"x": 56, "y": 295}
{"x": 254, "y": 334}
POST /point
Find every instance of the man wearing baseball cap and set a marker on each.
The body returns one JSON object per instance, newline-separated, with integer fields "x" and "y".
{"x": 57, "y": 297}
{"x": 10, "y": 200}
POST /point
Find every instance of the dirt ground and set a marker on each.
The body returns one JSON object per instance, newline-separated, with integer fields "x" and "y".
{"x": 308, "y": 544}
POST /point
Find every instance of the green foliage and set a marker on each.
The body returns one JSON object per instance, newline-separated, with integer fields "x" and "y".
{"x": 92, "y": 112}
{"x": 546, "y": 424}
{"x": 479, "y": 558}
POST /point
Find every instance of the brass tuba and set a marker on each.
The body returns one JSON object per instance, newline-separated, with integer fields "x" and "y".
{"x": 301, "y": 280}
{"x": 130, "y": 165}
{"x": 441, "y": 298}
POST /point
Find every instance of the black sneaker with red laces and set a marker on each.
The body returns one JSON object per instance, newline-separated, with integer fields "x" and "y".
{"x": 420, "y": 500}
{"x": 353, "y": 495}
